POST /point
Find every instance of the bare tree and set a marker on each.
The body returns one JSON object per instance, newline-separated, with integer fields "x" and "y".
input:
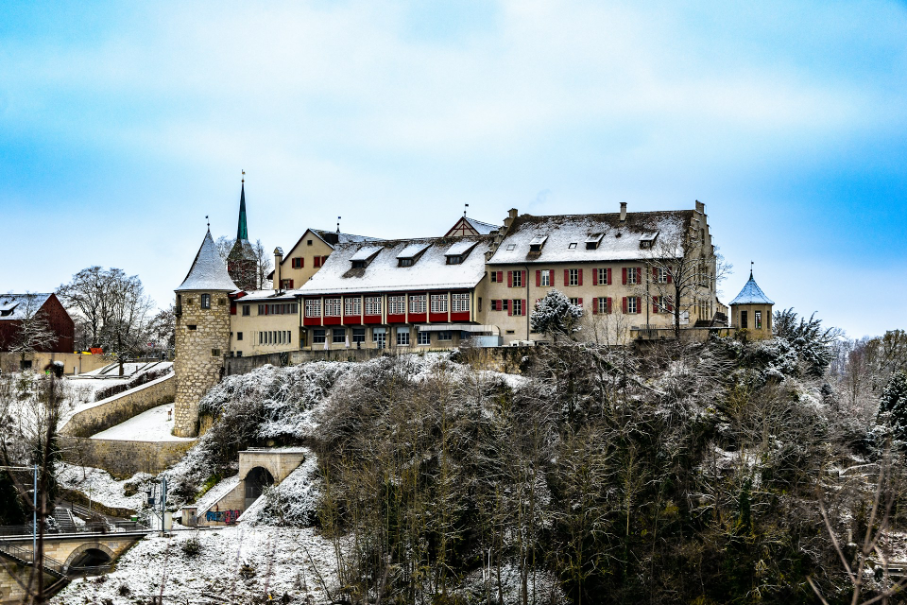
{"x": 162, "y": 329}
{"x": 263, "y": 266}
{"x": 33, "y": 331}
{"x": 683, "y": 272}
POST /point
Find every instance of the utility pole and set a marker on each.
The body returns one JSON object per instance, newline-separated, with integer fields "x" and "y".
{"x": 35, "y": 516}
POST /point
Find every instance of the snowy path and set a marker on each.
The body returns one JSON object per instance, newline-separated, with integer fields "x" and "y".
{"x": 153, "y": 425}
{"x": 238, "y": 565}
{"x": 101, "y": 487}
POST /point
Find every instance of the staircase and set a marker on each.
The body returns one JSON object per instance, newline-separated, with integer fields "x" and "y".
{"x": 64, "y": 518}
{"x": 24, "y": 556}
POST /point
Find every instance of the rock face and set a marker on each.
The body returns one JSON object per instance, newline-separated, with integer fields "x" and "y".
{"x": 202, "y": 342}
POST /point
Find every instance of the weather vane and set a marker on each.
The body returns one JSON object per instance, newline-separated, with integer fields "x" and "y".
{"x": 338, "y": 224}
{"x": 465, "y": 207}
{"x": 207, "y": 222}
{"x": 244, "y": 176}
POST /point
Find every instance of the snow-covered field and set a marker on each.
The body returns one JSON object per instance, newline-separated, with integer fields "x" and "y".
{"x": 98, "y": 485}
{"x": 153, "y": 425}
{"x": 235, "y": 565}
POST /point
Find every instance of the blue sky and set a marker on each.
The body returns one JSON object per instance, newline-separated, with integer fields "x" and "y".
{"x": 121, "y": 127}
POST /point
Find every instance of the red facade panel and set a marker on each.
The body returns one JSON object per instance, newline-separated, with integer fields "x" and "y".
{"x": 372, "y": 319}
{"x": 353, "y": 319}
{"x": 460, "y": 316}
{"x": 397, "y": 318}
{"x": 331, "y": 321}
{"x": 417, "y": 318}
{"x": 312, "y": 321}
{"x": 441, "y": 317}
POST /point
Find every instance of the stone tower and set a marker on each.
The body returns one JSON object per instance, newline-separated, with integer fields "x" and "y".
{"x": 202, "y": 334}
{"x": 751, "y": 310}
{"x": 241, "y": 262}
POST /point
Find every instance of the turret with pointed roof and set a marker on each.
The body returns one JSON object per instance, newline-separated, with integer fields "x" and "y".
{"x": 751, "y": 310}
{"x": 241, "y": 262}
{"x": 208, "y": 271}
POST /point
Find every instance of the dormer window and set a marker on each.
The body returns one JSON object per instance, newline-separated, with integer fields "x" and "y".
{"x": 572, "y": 245}
{"x": 648, "y": 239}
{"x": 592, "y": 243}
{"x": 359, "y": 264}
{"x": 364, "y": 256}
{"x": 411, "y": 254}
{"x": 457, "y": 252}
{"x": 454, "y": 259}
{"x": 405, "y": 262}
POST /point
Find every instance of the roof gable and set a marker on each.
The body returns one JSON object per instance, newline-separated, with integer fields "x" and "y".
{"x": 208, "y": 271}
{"x": 751, "y": 294}
{"x": 18, "y": 306}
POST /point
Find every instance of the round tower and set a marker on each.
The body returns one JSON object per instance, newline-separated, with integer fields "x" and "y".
{"x": 202, "y": 334}
{"x": 751, "y": 310}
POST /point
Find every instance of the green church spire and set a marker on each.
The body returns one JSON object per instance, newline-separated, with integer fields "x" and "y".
{"x": 242, "y": 232}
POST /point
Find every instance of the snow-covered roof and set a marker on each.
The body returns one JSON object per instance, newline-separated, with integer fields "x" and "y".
{"x": 480, "y": 226}
{"x": 364, "y": 253}
{"x": 16, "y": 307}
{"x": 266, "y": 296}
{"x": 567, "y": 235}
{"x": 338, "y": 237}
{"x": 383, "y": 274}
{"x": 411, "y": 250}
{"x": 751, "y": 293}
{"x": 460, "y": 248}
{"x": 208, "y": 272}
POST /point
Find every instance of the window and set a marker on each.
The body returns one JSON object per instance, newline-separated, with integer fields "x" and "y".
{"x": 646, "y": 243}
{"x": 573, "y": 277}
{"x": 744, "y": 319}
{"x": 246, "y": 310}
{"x": 497, "y": 276}
{"x": 206, "y": 301}
{"x": 239, "y": 336}
{"x": 662, "y": 305}
{"x": 758, "y": 320}
{"x": 318, "y": 335}
{"x": 602, "y": 276}
{"x": 478, "y": 304}
{"x": 517, "y": 307}
{"x": 353, "y": 306}
{"x": 603, "y": 305}
{"x": 454, "y": 259}
{"x": 308, "y": 242}
{"x": 373, "y": 306}
{"x": 661, "y": 275}
{"x": 239, "y": 354}
{"x": 378, "y": 334}
{"x": 313, "y": 308}
{"x": 572, "y": 245}
{"x": 422, "y": 338}
{"x": 296, "y": 262}
{"x": 632, "y": 305}
{"x": 215, "y": 352}
{"x": 397, "y": 305}
{"x": 339, "y": 335}
{"x": 574, "y": 301}
{"x": 359, "y": 335}
{"x": 403, "y": 336}
{"x": 405, "y": 262}
{"x": 631, "y": 275}
{"x": 359, "y": 264}
{"x": 190, "y": 326}
{"x": 460, "y": 302}
{"x": 511, "y": 246}
{"x": 439, "y": 304}
{"x": 444, "y": 335}
{"x": 333, "y": 307}
{"x": 417, "y": 304}
{"x": 545, "y": 278}
{"x": 286, "y": 284}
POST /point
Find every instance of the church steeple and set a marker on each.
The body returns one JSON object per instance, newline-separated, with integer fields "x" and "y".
{"x": 242, "y": 232}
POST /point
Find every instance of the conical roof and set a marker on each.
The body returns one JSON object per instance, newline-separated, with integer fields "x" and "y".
{"x": 751, "y": 293}
{"x": 208, "y": 272}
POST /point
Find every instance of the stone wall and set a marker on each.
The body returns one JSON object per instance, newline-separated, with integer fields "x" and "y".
{"x": 123, "y": 458}
{"x": 120, "y": 407}
{"x": 10, "y": 591}
{"x": 202, "y": 342}
{"x": 73, "y": 363}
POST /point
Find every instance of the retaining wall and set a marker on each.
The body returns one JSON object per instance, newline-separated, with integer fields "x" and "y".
{"x": 123, "y": 458}
{"x": 120, "y": 407}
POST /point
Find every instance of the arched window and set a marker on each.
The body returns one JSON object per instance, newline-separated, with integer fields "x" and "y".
{"x": 206, "y": 301}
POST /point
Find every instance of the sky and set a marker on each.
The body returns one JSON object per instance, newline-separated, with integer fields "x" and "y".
{"x": 123, "y": 124}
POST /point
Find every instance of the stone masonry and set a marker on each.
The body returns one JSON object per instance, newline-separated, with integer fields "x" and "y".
{"x": 202, "y": 342}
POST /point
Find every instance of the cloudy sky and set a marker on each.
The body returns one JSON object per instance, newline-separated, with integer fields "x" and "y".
{"x": 123, "y": 126}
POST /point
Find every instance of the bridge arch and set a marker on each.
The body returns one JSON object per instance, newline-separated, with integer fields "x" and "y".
{"x": 90, "y": 554}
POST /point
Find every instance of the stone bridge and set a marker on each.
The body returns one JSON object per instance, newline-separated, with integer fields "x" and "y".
{"x": 67, "y": 555}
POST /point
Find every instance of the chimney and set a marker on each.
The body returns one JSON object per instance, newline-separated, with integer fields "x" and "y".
{"x": 701, "y": 208}
{"x": 278, "y": 257}
{"x": 623, "y": 211}
{"x": 512, "y": 214}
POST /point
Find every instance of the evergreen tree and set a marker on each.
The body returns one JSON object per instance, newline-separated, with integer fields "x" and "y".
{"x": 555, "y": 315}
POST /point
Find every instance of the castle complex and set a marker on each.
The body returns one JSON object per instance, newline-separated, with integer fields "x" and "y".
{"x": 635, "y": 275}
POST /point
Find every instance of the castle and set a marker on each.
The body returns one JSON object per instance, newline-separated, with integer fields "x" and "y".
{"x": 635, "y": 275}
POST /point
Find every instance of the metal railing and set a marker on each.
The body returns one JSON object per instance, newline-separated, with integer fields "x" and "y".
{"x": 24, "y": 555}
{"x": 91, "y": 527}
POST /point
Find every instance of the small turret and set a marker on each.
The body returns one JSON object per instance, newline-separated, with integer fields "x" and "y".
{"x": 751, "y": 310}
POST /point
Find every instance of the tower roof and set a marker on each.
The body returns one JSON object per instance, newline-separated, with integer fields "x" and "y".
{"x": 751, "y": 293}
{"x": 208, "y": 272}
{"x": 242, "y": 231}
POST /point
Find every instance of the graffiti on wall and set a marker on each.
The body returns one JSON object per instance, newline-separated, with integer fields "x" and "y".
{"x": 228, "y": 516}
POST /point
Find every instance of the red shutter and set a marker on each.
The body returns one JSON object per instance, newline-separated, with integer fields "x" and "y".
{"x": 507, "y": 304}
{"x": 579, "y": 302}
{"x": 302, "y": 261}
{"x": 669, "y": 276}
{"x": 655, "y": 305}
{"x": 608, "y": 304}
{"x": 595, "y": 305}
{"x": 655, "y": 275}
{"x": 595, "y": 276}
{"x": 324, "y": 258}
{"x": 510, "y": 279}
{"x": 668, "y": 304}
{"x": 624, "y": 304}
{"x": 608, "y": 276}
{"x": 580, "y": 277}
{"x": 523, "y": 277}
{"x": 291, "y": 284}
{"x": 523, "y": 307}
{"x": 624, "y": 275}
{"x": 567, "y": 277}
{"x": 500, "y": 277}
{"x": 639, "y": 303}
{"x": 538, "y": 278}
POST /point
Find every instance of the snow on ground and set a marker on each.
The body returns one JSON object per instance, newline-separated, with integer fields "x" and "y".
{"x": 153, "y": 425}
{"x": 98, "y": 485}
{"x": 235, "y": 565}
